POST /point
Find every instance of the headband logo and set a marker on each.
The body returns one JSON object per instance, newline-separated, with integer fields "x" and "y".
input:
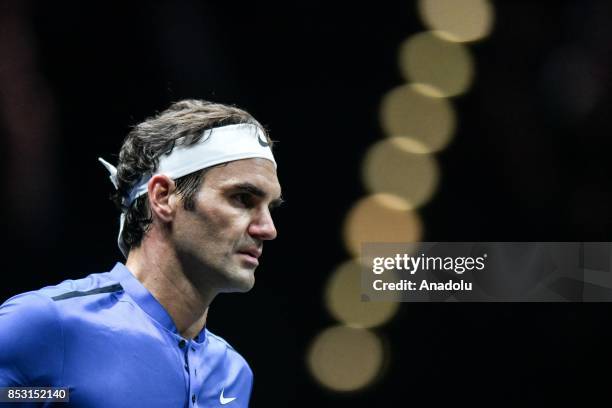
{"x": 263, "y": 143}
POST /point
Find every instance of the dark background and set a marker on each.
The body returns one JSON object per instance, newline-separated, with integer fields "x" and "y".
{"x": 529, "y": 162}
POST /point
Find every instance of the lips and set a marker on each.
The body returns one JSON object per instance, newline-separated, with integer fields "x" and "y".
{"x": 250, "y": 255}
{"x": 254, "y": 252}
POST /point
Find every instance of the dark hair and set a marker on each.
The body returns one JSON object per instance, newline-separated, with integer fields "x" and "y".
{"x": 142, "y": 147}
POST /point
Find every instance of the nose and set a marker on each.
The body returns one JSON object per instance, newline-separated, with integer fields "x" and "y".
{"x": 262, "y": 227}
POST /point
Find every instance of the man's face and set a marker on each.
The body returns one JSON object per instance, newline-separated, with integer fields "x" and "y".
{"x": 219, "y": 242}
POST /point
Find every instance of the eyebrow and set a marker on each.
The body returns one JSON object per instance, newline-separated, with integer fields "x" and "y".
{"x": 258, "y": 192}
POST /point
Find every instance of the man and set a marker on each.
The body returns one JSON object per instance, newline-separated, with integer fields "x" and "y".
{"x": 195, "y": 185}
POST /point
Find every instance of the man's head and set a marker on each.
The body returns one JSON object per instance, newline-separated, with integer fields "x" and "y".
{"x": 223, "y": 234}
{"x": 197, "y": 210}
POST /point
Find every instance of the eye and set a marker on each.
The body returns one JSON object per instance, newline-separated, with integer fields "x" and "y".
{"x": 244, "y": 199}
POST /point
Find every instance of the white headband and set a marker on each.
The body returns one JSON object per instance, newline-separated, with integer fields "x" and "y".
{"x": 217, "y": 145}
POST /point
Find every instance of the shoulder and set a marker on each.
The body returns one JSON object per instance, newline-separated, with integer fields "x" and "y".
{"x": 81, "y": 297}
{"x": 28, "y": 313}
{"x": 91, "y": 284}
{"x": 27, "y": 310}
{"x": 220, "y": 346}
{"x": 33, "y": 324}
{"x": 31, "y": 340}
{"x": 236, "y": 371}
{"x": 41, "y": 306}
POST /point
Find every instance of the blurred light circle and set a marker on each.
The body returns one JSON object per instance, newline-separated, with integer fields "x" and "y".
{"x": 392, "y": 202}
{"x": 371, "y": 220}
{"x": 389, "y": 168}
{"x": 428, "y": 123}
{"x": 458, "y": 20}
{"x": 444, "y": 68}
{"x": 345, "y": 359}
{"x": 343, "y": 299}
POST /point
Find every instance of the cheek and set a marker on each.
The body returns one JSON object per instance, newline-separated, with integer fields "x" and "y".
{"x": 223, "y": 225}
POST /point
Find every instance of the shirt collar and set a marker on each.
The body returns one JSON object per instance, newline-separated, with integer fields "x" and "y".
{"x": 146, "y": 301}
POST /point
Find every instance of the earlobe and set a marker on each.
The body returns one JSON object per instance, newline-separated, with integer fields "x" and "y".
{"x": 161, "y": 196}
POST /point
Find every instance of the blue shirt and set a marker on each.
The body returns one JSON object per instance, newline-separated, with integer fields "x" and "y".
{"x": 114, "y": 345}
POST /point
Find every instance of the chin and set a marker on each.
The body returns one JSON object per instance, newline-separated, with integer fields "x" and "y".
{"x": 242, "y": 281}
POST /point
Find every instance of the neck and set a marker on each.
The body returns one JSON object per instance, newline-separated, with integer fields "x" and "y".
{"x": 155, "y": 265}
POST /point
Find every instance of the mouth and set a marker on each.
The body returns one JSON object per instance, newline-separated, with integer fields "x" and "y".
{"x": 250, "y": 255}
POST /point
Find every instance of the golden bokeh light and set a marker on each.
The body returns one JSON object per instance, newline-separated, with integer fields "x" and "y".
{"x": 343, "y": 299}
{"x": 370, "y": 220}
{"x": 458, "y": 20}
{"x": 427, "y": 123}
{"x": 389, "y": 168}
{"x": 345, "y": 359}
{"x": 393, "y": 202}
{"x": 442, "y": 68}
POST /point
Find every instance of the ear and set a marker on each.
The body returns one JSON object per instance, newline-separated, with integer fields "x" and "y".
{"x": 161, "y": 196}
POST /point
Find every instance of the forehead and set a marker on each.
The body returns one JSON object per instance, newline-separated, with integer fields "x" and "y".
{"x": 256, "y": 171}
